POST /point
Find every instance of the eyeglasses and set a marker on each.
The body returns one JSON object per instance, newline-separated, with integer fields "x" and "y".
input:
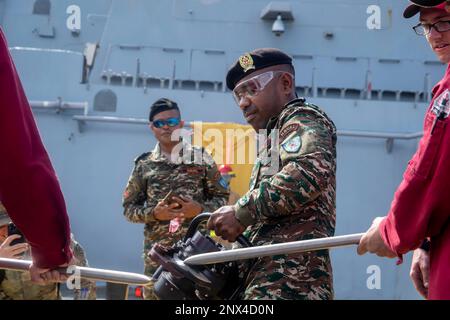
{"x": 171, "y": 122}
{"x": 255, "y": 85}
{"x": 423, "y": 29}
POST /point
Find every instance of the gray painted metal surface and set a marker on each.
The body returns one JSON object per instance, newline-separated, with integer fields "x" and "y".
{"x": 180, "y": 49}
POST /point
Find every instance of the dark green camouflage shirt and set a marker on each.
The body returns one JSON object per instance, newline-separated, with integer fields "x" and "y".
{"x": 154, "y": 176}
{"x": 292, "y": 197}
{"x": 297, "y": 201}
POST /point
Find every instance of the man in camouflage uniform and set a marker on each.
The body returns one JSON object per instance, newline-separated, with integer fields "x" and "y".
{"x": 16, "y": 285}
{"x": 194, "y": 186}
{"x": 292, "y": 188}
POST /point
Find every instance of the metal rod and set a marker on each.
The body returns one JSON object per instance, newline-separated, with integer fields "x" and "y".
{"x": 58, "y": 104}
{"x": 380, "y": 135}
{"x": 343, "y": 133}
{"x": 111, "y": 119}
{"x": 84, "y": 272}
{"x": 274, "y": 249}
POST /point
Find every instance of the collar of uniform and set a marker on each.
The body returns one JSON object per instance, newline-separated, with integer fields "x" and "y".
{"x": 294, "y": 102}
{"x": 273, "y": 121}
{"x": 157, "y": 155}
{"x": 271, "y": 124}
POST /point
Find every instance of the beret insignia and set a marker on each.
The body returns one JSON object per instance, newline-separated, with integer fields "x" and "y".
{"x": 246, "y": 62}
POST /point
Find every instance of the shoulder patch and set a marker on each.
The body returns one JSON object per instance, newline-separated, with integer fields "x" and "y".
{"x": 293, "y": 144}
{"x": 288, "y": 130}
{"x": 141, "y": 157}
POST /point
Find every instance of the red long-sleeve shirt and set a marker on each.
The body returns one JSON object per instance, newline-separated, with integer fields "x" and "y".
{"x": 421, "y": 205}
{"x": 29, "y": 188}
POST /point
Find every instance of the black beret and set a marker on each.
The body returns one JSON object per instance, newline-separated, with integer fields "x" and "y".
{"x": 414, "y": 8}
{"x": 253, "y": 61}
{"x": 162, "y": 105}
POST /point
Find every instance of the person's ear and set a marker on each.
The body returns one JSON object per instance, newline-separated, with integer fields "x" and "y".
{"x": 287, "y": 83}
{"x": 182, "y": 124}
{"x": 152, "y": 128}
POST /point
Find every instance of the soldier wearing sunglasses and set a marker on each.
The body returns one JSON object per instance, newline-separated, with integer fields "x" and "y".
{"x": 169, "y": 186}
{"x": 296, "y": 202}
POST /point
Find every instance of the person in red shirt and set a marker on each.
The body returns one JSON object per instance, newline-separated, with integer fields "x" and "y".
{"x": 29, "y": 188}
{"x": 419, "y": 218}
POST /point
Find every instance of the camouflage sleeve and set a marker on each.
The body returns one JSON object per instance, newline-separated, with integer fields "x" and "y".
{"x": 87, "y": 288}
{"x": 2, "y": 209}
{"x": 307, "y": 153}
{"x": 3, "y": 295}
{"x": 134, "y": 199}
{"x": 216, "y": 189}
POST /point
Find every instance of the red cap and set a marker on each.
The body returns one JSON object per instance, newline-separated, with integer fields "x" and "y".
{"x": 414, "y": 8}
{"x": 225, "y": 168}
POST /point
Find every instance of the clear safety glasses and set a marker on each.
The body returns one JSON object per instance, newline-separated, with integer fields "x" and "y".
{"x": 255, "y": 85}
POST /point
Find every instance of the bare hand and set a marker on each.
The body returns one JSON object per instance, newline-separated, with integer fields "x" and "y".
{"x": 420, "y": 271}
{"x": 224, "y": 223}
{"x": 44, "y": 277}
{"x": 166, "y": 212}
{"x": 189, "y": 207}
{"x": 15, "y": 251}
{"x": 373, "y": 243}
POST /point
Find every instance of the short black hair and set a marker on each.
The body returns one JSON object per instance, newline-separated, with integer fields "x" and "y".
{"x": 162, "y": 105}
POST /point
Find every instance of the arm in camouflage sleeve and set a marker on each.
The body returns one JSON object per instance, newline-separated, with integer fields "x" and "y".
{"x": 3, "y": 295}
{"x": 2, "y": 209}
{"x": 87, "y": 290}
{"x": 305, "y": 173}
{"x": 216, "y": 194}
{"x": 134, "y": 199}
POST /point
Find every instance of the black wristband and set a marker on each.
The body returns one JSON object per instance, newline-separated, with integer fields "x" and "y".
{"x": 425, "y": 245}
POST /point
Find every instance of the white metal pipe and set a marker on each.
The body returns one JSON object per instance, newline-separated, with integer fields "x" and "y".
{"x": 274, "y": 249}
{"x": 84, "y": 272}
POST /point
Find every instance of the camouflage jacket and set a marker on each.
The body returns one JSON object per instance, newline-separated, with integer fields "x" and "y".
{"x": 296, "y": 201}
{"x": 17, "y": 285}
{"x": 2, "y": 209}
{"x": 154, "y": 176}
